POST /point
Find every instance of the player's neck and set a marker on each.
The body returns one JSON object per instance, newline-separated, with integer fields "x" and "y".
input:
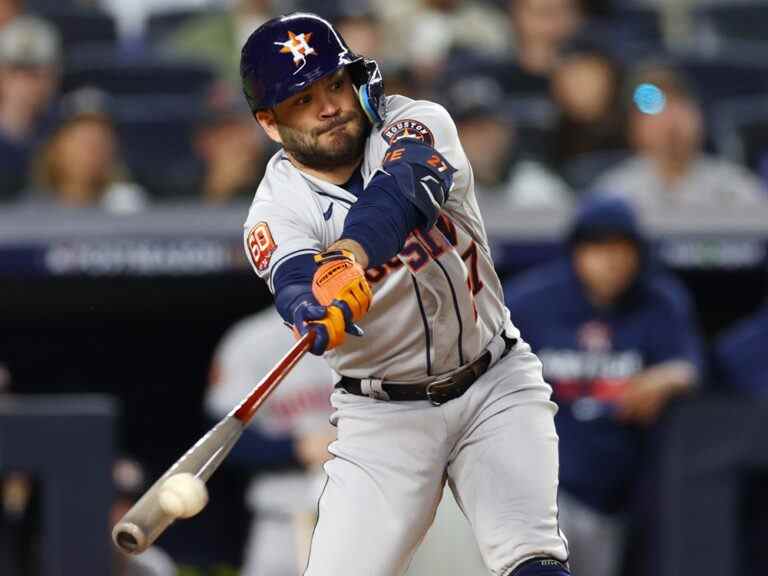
{"x": 338, "y": 176}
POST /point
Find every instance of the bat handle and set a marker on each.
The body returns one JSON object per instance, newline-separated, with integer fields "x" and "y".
{"x": 245, "y": 411}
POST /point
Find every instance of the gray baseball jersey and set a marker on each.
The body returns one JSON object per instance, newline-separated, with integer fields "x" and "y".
{"x": 437, "y": 304}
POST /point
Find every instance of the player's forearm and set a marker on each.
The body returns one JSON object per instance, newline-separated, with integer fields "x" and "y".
{"x": 379, "y": 222}
{"x": 407, "y": 193}
{"x": 676, "y": 376}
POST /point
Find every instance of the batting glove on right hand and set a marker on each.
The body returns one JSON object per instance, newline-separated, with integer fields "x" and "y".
{"x": 338, "y": 280}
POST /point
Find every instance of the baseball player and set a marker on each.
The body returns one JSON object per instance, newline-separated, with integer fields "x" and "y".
{"x": 285, "y": 444}
{"x": 366, "y": 229}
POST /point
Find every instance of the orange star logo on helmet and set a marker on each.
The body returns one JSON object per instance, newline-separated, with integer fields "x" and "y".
{"x": 298, "y": 46}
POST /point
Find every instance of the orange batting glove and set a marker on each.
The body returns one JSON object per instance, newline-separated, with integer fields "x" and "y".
{"x": 340, "y": 280}
{"x": 343, "y": 297}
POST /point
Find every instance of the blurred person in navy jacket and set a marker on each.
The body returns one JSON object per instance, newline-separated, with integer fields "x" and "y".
{"x": 617, "y": 342}
{"x": 740, "y": 356}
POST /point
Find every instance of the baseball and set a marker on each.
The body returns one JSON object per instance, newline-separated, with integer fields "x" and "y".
{"x": 183, "y": 495}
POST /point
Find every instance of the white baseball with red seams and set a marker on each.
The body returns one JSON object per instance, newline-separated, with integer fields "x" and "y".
{"x": 183, "y": 495}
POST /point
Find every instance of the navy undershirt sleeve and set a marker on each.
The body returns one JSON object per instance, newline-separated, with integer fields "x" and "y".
{"x": 381, "y": 220}
{"x": 405, "y": 194}
{"x": 292, "y": 282}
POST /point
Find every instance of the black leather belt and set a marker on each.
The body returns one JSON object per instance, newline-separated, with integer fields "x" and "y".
{"x": 438, "y": 391}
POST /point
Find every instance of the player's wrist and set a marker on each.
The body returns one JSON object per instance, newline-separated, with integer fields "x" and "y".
{"x": 350, "y": 248}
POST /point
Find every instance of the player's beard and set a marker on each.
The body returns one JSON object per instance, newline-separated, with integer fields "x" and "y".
{"x": 341, "y": 148}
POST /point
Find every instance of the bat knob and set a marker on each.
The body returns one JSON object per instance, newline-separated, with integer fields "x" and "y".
{"x": 129, "y": 538}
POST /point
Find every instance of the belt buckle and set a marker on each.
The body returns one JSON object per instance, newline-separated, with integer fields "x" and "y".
{"x": 432, "y": 396}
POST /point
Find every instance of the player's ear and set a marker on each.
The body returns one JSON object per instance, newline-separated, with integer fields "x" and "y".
{"x": 266, "y": 119}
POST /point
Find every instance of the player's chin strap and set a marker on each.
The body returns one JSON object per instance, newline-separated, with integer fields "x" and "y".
{"x": 365, "y": 102}
{"x": 541, "y": 567}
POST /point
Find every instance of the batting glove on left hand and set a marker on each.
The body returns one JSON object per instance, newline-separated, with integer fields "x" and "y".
{"x": 330, "y": 324}
{"x": 338, "y": 280}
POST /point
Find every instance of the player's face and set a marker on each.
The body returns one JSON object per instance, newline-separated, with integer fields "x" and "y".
{"x": 606, "y": 268}
{"x": 322, "y": 127}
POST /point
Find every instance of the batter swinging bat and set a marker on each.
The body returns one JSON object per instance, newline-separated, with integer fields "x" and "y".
{"x": 146, "y": 520}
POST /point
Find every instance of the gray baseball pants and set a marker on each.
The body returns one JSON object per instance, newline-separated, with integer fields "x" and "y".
{"x": 496, "y": 446}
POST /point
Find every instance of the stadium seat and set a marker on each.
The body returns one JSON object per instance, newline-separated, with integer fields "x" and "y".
{"x": 42, "y": 7}
{"x": 733, "y": 21}
{"x": 742, "y": 132}
{"x": 513, "y": 80}
{"x": 726, "y": 76}
{"x": 156, "y": 137}
{"x": 629, "y": 28}
{"x": 80, "y": 28}
{"x": 147, "y": 75}
{"x": 161, "y": 24}
{"x": 583, "y": 170}
{"x": 536, "y": 142}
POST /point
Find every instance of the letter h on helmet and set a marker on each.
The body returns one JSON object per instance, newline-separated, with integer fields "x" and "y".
{"x": 288, "y": 53}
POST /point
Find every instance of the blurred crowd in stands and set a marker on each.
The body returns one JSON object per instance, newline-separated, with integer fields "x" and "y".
{"x": 126, "y": 104}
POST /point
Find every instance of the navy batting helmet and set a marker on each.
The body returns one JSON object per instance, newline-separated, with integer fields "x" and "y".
{"x": 286, "y": 54}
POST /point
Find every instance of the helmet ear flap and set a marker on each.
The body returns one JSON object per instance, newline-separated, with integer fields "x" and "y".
{"x": 370, "y": 89}
{"x": 367, "y": 105}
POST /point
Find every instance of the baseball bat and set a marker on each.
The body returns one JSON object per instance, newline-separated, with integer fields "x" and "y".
{"x": 146, "y": 520}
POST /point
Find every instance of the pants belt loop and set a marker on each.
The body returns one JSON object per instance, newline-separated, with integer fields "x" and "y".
{"x": 372, "y": 387}
{"x": 497, "y": 348}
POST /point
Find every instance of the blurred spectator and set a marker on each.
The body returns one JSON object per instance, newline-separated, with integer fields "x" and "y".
{"x": 399, "y": 79}
{"x": 423, "y": 32}
{"x": 131, "y": 16}
{"x": 740, "y": 356}
{"x": 586, "y": 87}
{"x": 233, "y": 152}
{"x": 490, "y": 141}
{"x": 216, "y": 37}
{"x": 9, "y": 9}
{"x": 29, "y": 76}
{"x": 669, "y": 166}
{"x": 541, "y": 28}
{"x": 360, "y": 27}
{"x": 130, "y": 484}
{"x": 284, "y": 447}
{"x": 363, "y": 29}
{"x": 79, "y": 165}
{"x": 617, "y": 342}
